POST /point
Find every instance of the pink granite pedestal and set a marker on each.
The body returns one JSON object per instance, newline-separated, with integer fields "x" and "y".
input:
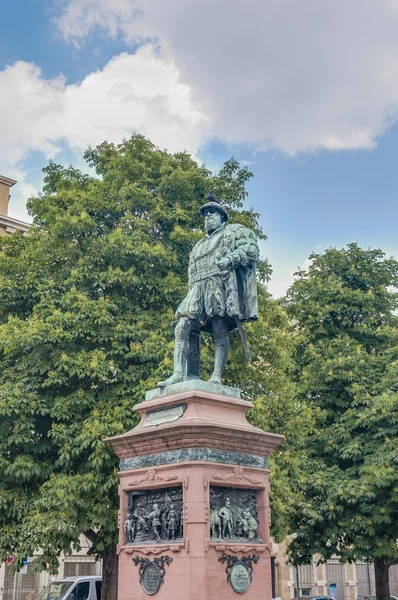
{"x": 192, "y": 437}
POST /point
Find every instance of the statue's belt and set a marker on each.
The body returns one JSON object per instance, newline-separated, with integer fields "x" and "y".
{"x": 205, "y": 274}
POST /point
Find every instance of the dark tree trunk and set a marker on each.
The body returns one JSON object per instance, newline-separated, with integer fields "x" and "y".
{"x": 382, "y": 579}
{"x": 110, "y": 574}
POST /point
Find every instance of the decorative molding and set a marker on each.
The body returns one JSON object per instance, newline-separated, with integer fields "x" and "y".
{"x": 152, "y": 549}
{"x": 237, "y": 476}
{"x": 8, "y": 222}
{"x": 236, "y": 549}
{"x": 157, "y": 446}
{"x": 152, "y": 477}
{"x": 194, "y": 454}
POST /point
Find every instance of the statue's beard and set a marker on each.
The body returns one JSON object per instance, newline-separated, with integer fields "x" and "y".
{"x": 212, "y": 224}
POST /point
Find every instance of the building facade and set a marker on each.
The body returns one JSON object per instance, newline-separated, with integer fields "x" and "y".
{"x": 8, "y": 225}
{"x": 30, "y": 582}
{"x": 340, "y": 581}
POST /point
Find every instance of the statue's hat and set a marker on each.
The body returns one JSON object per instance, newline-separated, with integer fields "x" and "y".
{"x": 213, "y": 203}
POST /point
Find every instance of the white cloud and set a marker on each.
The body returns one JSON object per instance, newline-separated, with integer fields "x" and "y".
{"x": 293, "y": 75}
{"x": 296, "y": 75}
{"x": 133, "y": 92}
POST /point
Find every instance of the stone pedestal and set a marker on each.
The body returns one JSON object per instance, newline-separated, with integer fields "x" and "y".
{"x": 194, "y": 479}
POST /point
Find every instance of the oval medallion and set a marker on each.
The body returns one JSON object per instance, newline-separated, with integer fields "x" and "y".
{"x": 151, "y": 579}
{"x": 240, "y": 578}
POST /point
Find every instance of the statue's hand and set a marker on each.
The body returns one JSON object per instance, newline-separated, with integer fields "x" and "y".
{"x": 223, "y": 263}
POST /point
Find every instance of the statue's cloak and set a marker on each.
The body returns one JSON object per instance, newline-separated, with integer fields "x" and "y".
{"x": 233, "y": 294}
{"x": 241, "y": 285}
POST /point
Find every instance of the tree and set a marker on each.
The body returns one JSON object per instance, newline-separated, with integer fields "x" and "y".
{"x": 85, "y": 310}
{"x": 346, "y": 340}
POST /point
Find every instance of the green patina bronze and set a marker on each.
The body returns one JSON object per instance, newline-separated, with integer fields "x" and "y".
{"x": 222, "y": 292}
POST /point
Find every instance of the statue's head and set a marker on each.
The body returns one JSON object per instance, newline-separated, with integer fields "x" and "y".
{"x": 214, "y": 212}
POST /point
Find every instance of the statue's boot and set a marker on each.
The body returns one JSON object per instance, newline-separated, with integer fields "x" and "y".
{"x": 177, "y": 377}
{"x": 221, "y": 352}
{"x": 181, "y": 349}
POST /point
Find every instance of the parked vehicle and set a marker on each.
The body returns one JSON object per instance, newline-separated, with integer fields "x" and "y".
{"x": 318, "y": 597}
{"x": 73, "y": 588}
{"x": 374, "y": 598}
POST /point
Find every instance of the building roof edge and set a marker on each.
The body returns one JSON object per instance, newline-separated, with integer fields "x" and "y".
{"x": 7, "y": 181}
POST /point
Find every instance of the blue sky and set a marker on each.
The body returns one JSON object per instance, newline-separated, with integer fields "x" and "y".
{"x": 308, "y": 97}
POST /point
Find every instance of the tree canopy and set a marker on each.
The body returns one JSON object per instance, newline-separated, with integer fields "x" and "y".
{"x": 345, "y": 327}
{"x": 86, "y": 302}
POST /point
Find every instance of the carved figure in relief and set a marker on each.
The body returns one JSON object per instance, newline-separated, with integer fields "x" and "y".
{"x": 140, "y": 515}
{"x": 215, "y": 524}
{"x": 222, "y": 292}
{"x": 163, "y": 519}
{"x": 172, "y": 522}
{"x": 252, "y": 526}
{"x": 156, "y": 522}
{"x": 225, "y": 515}
{"x": 129, "y": 529}
{"x": 180, "y": 532}
{"x": 242, "y": 529}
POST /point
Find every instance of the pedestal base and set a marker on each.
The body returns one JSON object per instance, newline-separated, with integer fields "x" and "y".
{"x": 196, "y": 470}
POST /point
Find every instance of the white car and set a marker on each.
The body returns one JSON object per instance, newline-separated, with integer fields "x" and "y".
{"x": 73, "y": 588}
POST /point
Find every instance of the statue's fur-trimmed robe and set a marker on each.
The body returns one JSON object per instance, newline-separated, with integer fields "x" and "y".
{"x": 210, "y": 293}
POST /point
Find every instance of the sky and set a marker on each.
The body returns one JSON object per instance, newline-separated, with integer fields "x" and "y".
{"x": 305, "y": 92}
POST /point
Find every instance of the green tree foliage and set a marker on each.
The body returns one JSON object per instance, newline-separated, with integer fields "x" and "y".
{"x": 346, "y": 340}
{"x": 86, "y": 302}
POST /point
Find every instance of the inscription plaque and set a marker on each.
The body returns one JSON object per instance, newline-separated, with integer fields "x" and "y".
{"x": 239, "y": 570}
{"x": 152, "y": 572}
{"x": 164, "y": 415}
{"x": 151, "y": 578}
{"x": 240, "y": 578}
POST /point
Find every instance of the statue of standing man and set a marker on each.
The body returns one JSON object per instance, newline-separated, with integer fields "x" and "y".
{"x": 222, "y": 292}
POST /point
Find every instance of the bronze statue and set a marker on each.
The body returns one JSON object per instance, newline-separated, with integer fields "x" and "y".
{"x": 222, "y": 292}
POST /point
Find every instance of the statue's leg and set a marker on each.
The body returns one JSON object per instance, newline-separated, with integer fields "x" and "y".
{"x": 181, "y": 348}
{"x": 193, "y": 362}
{"x": 221, "y": 347}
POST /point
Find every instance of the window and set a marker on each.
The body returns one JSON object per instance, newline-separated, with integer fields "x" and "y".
{"x": 82, "y": 590}
{"x": 79, "y": 566}
{"x": 26, "y": 584}
{"x": 98, "y": 589}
